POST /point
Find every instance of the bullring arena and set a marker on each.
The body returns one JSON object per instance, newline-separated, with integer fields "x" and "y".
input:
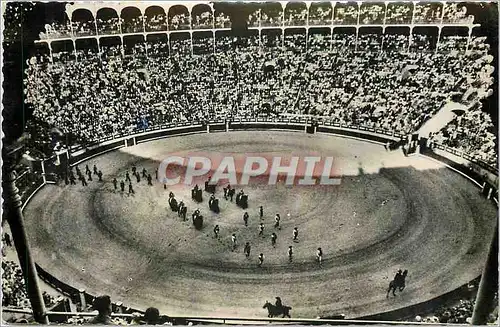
{"x": 389, "y": 212}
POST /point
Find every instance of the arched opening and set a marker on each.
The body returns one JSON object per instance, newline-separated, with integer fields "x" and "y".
{"x": 319, "y": 39}
{"x": 456, "y": 13}
{"x": 132, "y": 20}
{"x": 203, "y": 43}
{"x": 370, "y": 39}
{"x": 202, "y": 17}
{"x": 295, "y": 14}
{"x": 399, "y": 13}
{"x": 107, "y": 21}
{"x": 134, "y": 45}
{"x": 424, "y": 39}
{"x": 343, "y": 39}
{"x": 63, "y": 51}
{"x": 271, "y": 14}
{"x": 178, "y": 18}
{"x": 372, "y": 13}
{"x": 396, "y": 39}
{"x": 222, "y": 16}
{"x": 320, "y": 13}
{"x": 271, "y": 39}
{"x": 110, "y": 46}
{"x": 83, "y": 22}
{"x": 180, "y": 44}
{"x": 155, "y": 19}
{"x": 345, "y": 13}
{"x": 453, "y": 39}
{"x": 157, "y": 45}
{"x": 86, "y": 49}
{"x": 428, "y": 12}
{"x": 295, "y": 40}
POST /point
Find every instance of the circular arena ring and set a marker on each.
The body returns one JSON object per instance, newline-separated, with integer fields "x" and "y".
{"x": 389, "y": 212}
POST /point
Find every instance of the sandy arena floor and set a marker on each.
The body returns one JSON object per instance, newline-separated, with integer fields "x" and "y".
{"x": 389, "y": 212}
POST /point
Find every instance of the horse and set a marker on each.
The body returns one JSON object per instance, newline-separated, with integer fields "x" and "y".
{"x": 397, "y": 284}
{"x": 274, "y": 311}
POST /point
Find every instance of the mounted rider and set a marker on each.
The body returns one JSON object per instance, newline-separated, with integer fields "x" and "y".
{"x": 398, "y": 278}
{"x": 278, "y": 304}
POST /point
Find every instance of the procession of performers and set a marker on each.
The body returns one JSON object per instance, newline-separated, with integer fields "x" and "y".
{"x": 241, "y": 200}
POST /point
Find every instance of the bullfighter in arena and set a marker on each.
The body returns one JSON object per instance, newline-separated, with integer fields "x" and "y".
{"x": 246, "y": 250}
{"x": 183, "y": 213}
{"x": 295, "y": 234}
{"x": 261, "y": 212}
{"x": 134, "y": 169}
{"x": 144, "y": 173}
{"x": 261, "y": 229}
{"x": 233, "y": 241}
{"x": 216, "y": 231}
{"x": 180, "y": 207}
{"x": 273, "y": 239}
{"x": 319, "y": 255}
{"x": 127, "y": 177}
{"x": 115, "y": 183}
{"x": 277, "y": 219}
{"x": 138, "y": 177}
{"x": 150, "y": 180}
{"x": 245, "y": 218}
{"x": 122, "y": 186}
{"x": 95, "y": 170}
{"x": 290, "y": 253}
{"x": 261, "y": 259}
{"x": 130, "y": 189}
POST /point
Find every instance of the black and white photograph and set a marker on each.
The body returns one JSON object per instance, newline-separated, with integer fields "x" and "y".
{"x": 249, "y": 162}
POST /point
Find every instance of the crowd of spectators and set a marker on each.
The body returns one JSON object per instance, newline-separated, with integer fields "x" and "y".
{"x": 84, "y": 28}
{"x": 370, "y": 14}
{"x": 13, "y": 288}
{"x": 345, "y": 15}
{"x": 156, "y": 22}
{"x": 456, "y": 13}
{"x": 132, "y": 25}
{"x": 13, "y": 283}
{"x": 399, "y": 13}
{"x": 296, "y": 16}
{"x": 56, "y": 31}
{"x": 222, "y": 20}
{"x": 108, "y": 26}
{"x": 181, "y": 21}
{"x": 461, "y": 313}
{"x": 202, "y": 21}
{"x": 270, "y": 15}
{"x": 394, "y": 89}
{"x": 320, "y": 14}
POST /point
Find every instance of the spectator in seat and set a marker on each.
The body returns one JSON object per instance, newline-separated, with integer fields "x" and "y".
{"x": 103, "y": 305}
{"x": 152, "y": 316}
